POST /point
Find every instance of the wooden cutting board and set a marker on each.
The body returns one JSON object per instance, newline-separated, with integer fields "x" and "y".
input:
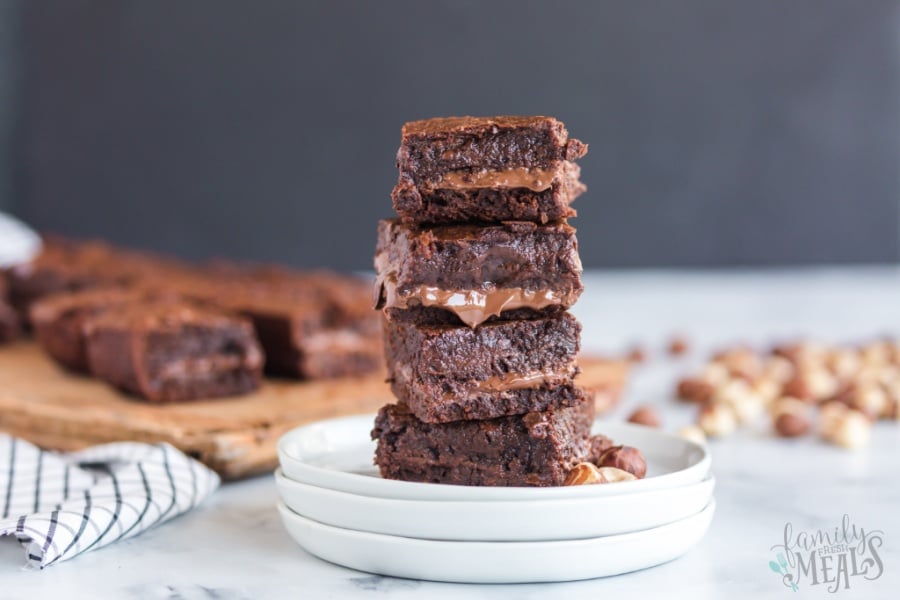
{"x": 54, "y": 409}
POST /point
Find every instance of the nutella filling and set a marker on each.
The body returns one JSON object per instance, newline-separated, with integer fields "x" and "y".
{"x": 536, "y": 180}
{"x": 503, "y": 383}
{"x": 473, "y": 307}
{"x": 516, "y": 381}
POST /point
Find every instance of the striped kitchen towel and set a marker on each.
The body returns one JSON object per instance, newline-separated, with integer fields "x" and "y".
{"x": 61, "y": 505}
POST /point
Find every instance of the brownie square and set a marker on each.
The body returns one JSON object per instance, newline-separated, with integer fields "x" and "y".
{"x": 535, "y": 449}
{"x": 310, "y": 325}
{"x": 170, "y": 352}
{"x": 59, "y": 321}
{"x": 476, "y": 272}
{"x": 541, "y": 197}
{"x": 433, "y": 148}
{"x": 449, "y": 373}
{"x": 65, "y": 265}
{"x": 9, "y": 319}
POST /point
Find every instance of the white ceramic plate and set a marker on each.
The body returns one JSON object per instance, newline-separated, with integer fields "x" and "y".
{"x": 337, "y": 454}
{"x": 555, "y": 519}
{"x": 497, "y": 562}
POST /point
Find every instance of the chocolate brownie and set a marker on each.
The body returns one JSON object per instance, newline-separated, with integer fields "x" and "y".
{"x": 65, "y": 265}
{"x": 542, "y": 198}
{"x": 535, "y": 449}
{"x": 437, "y": 150}
{"x": 9, "y": 319}
{"x": 311, "y": 325}
{"x": 476, "y": 272}
{"x": 59, "y": 321}
{"x": 170, "y": 352}
{"x": 448, "y": 373}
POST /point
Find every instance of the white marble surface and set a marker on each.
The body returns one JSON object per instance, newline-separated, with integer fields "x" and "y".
{"x": 234, "y": 546}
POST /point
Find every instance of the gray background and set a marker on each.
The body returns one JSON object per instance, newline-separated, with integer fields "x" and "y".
{"x": 721, "y": 133}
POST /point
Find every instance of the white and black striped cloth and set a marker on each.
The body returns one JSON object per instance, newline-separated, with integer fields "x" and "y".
{"x": 61, "y": 505}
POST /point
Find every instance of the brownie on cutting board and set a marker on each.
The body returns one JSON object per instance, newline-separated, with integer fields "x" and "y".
{"x": 9, "y": 319}
{"x": 311, "y": 325}
{"x": 454, "y": 372}
{"x": 476, "y": 272}
{"x": 59, "y": 320}
{"x": 173, "y": 351}
{"x": 534, "y": 449}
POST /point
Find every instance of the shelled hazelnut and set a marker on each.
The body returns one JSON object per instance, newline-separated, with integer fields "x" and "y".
{"x": 740, "y": 362}
{"x": 645, "y": 415}
{"x": 870, "y": 399}
{"x": 588, "y": 474}
{"x": 583, "y": 474}
{"x": 625, "y": 458}
{"x": 844, "y": 426}
{"x": 615, "y": 475}
{"x": 790, "y": 417}
{"x": 692, "y": 433}
{"x": 740, "y": 397}
{"x": 717, "y": 420}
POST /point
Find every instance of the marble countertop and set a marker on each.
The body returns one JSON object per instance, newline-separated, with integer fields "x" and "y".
{"x": 234, "y": 546}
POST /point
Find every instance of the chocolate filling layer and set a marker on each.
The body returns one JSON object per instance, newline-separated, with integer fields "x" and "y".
{"x": 519, "y": 177}
{"x": 473, "y": 307}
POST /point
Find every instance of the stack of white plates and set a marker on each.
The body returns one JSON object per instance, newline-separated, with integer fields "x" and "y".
{"x": 335, "y": 505}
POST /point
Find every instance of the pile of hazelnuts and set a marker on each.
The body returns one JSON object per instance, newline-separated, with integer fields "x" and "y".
{"x": 846, "y": 387}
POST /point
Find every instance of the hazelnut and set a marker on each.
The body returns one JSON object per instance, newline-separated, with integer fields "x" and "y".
{"x": 678, "y": 345}
{"x": 615, "y": 475}
{"x": 791, "y": 425}
{"x": 693, "y": 433}
{"x": 822, "y": 384}
{"x": 645, "y": 415}
{"x": 844, "y": 426}
{"x": 870, "y": 399}
{"x": 892, "y": 389}
{"x": 813, "y": 384}
{"x": 801, "y": 354}
{"x": 717, "y": 420}
{"x": 625, "y": 458}
{"x": 877, "y": 353}
{"x": 790, "y": 417}
{"x": 895, "y": 410}
{"x": 844, "y": 363}
{"x": 778, "y": 368}
{"x": 798, "y": 388}
{"x": 598, "y": 444}
{"x": 741, "y": 398}
{"x": 637, "y": 355}
{"x": 693, "y": 389}
{"x": 789, "y": 404}
{"x": 588, "y": 474}
{"x": 583, "y": 474}
{"x": 715, "y": 374}
{"x": 767, "y": 389}
{"x": 740, "y": 362}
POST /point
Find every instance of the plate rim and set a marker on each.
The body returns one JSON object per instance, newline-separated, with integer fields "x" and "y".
{"x": 523, "y": 545}
{"x": 495, "y": 521}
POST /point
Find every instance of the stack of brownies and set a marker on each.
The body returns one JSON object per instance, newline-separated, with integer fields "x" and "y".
{"x": 475, "y": 278}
